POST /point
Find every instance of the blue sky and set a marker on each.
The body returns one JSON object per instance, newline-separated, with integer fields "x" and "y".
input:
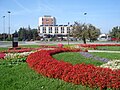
{"x": 104, "y": 14}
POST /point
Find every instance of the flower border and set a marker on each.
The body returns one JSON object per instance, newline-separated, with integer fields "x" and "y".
{"x": 88, "y": 75}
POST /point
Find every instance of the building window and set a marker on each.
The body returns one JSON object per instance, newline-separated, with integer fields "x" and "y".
{"x": 44, "y": 29}
{"x": 56, "y": 29}
{"x": 62, "y": 29}
{"x": 47, "y": 20}
{"x": 68, "y": 29}
{"x": 50, "y": 29}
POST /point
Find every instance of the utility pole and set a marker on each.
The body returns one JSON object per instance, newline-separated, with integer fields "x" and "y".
{"x": 9, "y": 24}
{"x": 4, "y": 28}
{"x": 85, "y": 16}
{"x": 68, "y": 33}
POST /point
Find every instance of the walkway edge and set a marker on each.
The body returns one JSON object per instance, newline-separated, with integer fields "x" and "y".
{"x": 103, "y": 51}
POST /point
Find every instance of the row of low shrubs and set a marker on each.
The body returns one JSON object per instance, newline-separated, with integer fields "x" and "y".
{"x": 89, "y": 75}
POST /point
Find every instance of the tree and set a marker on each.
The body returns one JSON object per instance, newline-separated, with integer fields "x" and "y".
{"x": 115, "y": 33}
{"x": 35, "y": 34}
{"x": 80, "y": 31}
{"x": 84, "y": 31}
{"x": 93, "y": 32}
{"x": 27, "y": 34}
{"x": 22, "y": 34}
{"x": 3, "y": 36}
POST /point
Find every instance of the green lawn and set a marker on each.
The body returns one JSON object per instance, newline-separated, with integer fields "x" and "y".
{"x": 75, "y": 58}
{"x": 25, "y": 46}
{"x": 30, "y": 46}
{"x": 2, "y": 48}
{"x": 109, "y": 48}
{"x": 21, "y": 77}
{"x": 111, "y": 56}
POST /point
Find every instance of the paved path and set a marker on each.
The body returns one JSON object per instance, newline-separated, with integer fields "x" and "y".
{"x": 9, "y": 43}
{"x": 103, "y": 51}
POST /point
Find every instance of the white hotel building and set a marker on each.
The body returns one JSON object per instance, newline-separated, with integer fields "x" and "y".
{"x": 47, "y": 27}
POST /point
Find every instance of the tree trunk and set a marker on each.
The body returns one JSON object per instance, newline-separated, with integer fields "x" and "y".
{"x": 89, "y": 34}
{"x": 84, "y": 40}
{"x": 90, "y": 40}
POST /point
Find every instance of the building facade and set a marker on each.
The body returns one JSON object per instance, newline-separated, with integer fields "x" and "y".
{"x": 47, "y": 20}
{"x": 57, "y": 30}
{"x": 47, "y": 27}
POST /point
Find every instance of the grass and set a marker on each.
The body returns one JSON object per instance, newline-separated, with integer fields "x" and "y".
{"x": 111, "y": 56}
{"x": 2, "y": 48}
{"x": 30, "y": 46}
{"x": 110, "y": 48}
{"x": 25, "y": 46}
{"x": 21, "y": 77}
{"x": 76, "y": 58}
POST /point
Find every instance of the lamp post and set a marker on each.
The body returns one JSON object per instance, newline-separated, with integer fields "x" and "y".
{"x": 68, "y": 33}
{"x": 85, "y": 16}
{"x": 3, "y": 27}
{"x": 9, "y": 24}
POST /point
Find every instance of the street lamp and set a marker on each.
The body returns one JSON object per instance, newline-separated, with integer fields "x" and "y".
{"x": 85, "y": 15}
{"x": 68, "y": 33}
{"x": 3, "y": 27}
{"x": 9, "y": 24}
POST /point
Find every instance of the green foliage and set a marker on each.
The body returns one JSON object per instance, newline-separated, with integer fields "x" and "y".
{"x": 76, "y": 58}
{"x": 27, "y": 34}
{"x": 3, "y": 36}
{"x": 115, "y": 32}
{"x": 85, "y": 31}
{"x": 9, "y": 39}
{"x": 11, "y": 62}
{"x": 93, "y": 32}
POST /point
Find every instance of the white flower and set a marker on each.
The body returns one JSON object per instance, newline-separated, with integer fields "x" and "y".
{"x": 115, "y": 64}
{"x": 17, "y": 55}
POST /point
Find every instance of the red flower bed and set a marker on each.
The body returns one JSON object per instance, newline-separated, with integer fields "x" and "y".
{"x": 95, "y": 45}
{"x": 2, "y": 55}
{"x": 88, "y": 75}
{"x": 60, "y": 45}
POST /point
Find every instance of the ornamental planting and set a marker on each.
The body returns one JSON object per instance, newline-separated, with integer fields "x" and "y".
{"x": 88, "y": 75}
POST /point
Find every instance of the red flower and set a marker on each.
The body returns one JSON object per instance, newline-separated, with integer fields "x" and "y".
{"x": 2, "y": 55}
{"x": 89, "y": 75}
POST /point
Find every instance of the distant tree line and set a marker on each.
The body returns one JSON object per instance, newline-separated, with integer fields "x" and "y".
{"x": 24, "y": 34}
{"x": 27, "y": 34}
{"x": 3, "y": 37}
